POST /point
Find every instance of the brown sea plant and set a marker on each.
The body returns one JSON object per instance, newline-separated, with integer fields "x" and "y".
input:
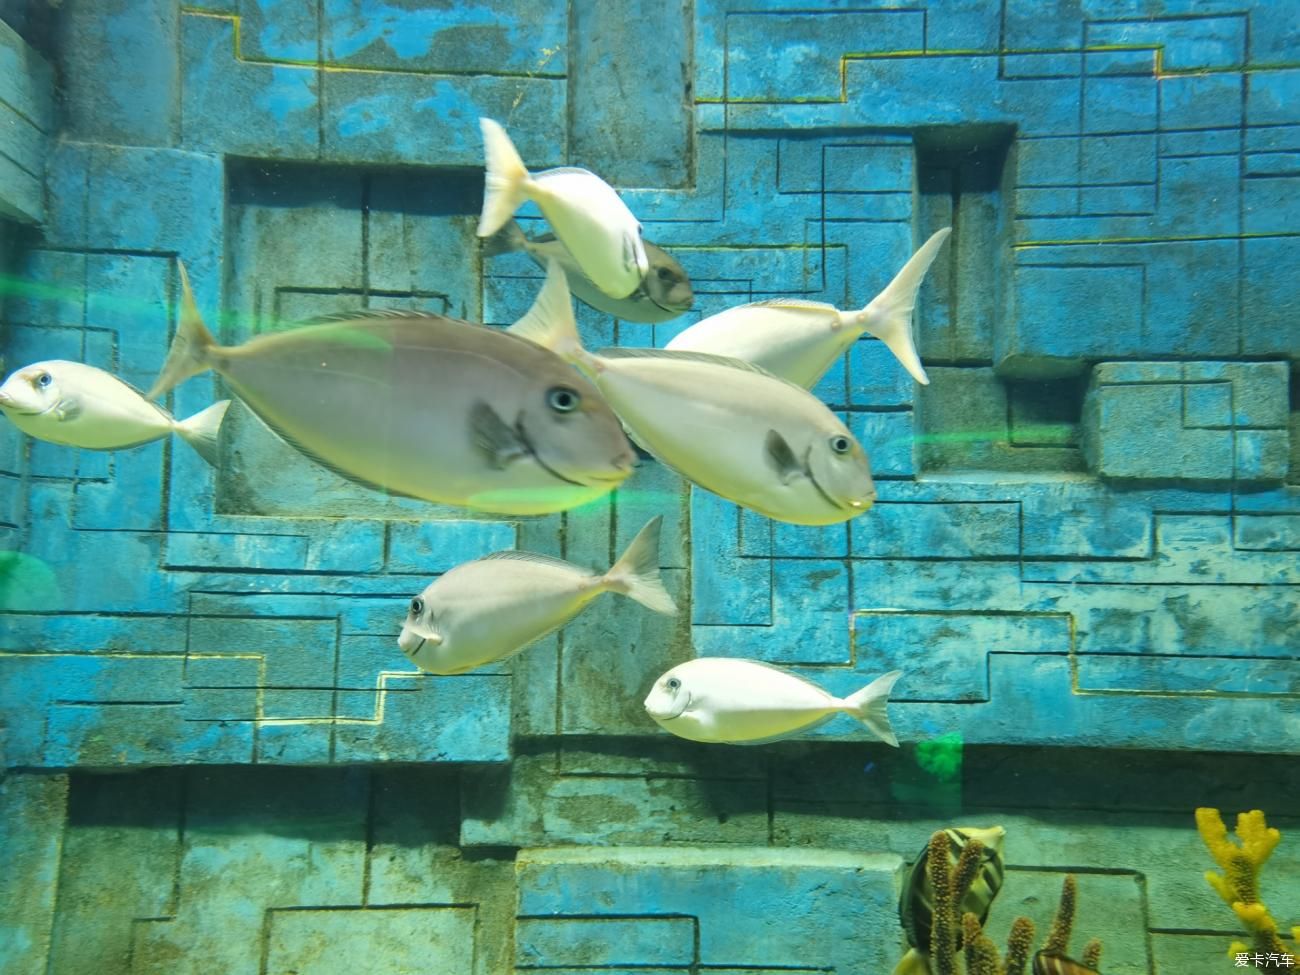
{"x": 1238, "y": 885}
{"x": 978, "y": 954}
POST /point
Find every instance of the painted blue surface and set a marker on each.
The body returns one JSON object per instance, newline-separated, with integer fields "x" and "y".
{"x": 1122, "y": 191}
{"x": 1087, "y": 535}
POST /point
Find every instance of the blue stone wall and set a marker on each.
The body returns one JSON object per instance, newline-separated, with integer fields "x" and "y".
{"x": 1086, "y": 553}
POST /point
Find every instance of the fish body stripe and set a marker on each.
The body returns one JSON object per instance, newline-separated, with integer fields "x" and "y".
{"x": 916, "y": 903}
{"x": 1050, "y": 963}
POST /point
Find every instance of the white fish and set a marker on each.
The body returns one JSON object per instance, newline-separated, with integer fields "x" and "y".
{"x": 77, "y": 405}
{"x": 588, "y": 216}
{"x": 421, "y": 405}
{"x": 665, "y": 292}
{"x": 747, "y": 702}
{"x": 799, "y": 340}
{"x": 726, "y": 425}
{"x": 493, "y": 607}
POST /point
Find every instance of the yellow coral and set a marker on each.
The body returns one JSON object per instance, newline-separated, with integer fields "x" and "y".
{"x": 1238, "y": 885}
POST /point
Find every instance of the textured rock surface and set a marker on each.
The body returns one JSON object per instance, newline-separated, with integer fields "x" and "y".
{"x": 1084, "y": 556}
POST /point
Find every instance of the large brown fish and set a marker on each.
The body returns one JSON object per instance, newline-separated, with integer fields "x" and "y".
{"x": 421, "y": 405}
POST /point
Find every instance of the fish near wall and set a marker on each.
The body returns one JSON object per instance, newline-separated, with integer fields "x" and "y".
{"x": 1086, "y": 535}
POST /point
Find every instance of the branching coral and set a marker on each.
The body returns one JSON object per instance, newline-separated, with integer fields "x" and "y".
{"x": 1238, "y": 885}
{"x": 967, "y": 949}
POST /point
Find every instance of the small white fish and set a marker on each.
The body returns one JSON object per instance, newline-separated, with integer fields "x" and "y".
{"x": 588, "y": 216}
{"x": 76, "y": 405}
{"x": 493, "y": 607}
{"x": 799, "y": 340}
{"x": 747, "y": 702}
{"x": 726, "y": 425}
{"x": 665, "y": 292}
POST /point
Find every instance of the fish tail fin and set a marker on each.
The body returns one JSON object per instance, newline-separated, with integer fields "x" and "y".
{"x": 506, "y": 183}
{"x": 507, "y": 240}
{"x": 550, "y": 322}
{"x": 868, "y": 706}
{"x": 913, "y": 963}
{"x": 200, "y": 431}
{"x": 636, "y": 573}
{"x": 188, "y": 355}
{"x": 889, "y": 316}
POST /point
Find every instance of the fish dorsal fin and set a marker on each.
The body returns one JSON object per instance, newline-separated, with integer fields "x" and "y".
{"x": 362, "y": 314}
{"x": 514, "y": 555}
{"x": 795, "y": 304}
{"x": 617, "y": 352}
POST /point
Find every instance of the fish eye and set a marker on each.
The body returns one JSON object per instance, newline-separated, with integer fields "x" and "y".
{"x": 562, "y": 399}
{"x": 44, "y": 379}
{"x": 664, "y": 274}
{"x": 674, "y": 684}
{"x": 417, "y": 606}
{"x": 840, "y": 444}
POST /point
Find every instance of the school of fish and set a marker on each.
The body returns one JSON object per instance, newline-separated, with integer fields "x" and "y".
{"x": 529, "y": 421}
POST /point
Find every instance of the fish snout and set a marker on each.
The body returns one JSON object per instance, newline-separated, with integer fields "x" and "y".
{"x": 6, "y": 400}
{"x": 410, "y": 642}
{"x": 864, "y": 501}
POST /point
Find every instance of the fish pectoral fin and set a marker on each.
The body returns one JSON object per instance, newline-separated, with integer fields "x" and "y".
{"x": 780, "y": 455}
{"x": 67, "y": 409}
{"x": 498, "y": 440}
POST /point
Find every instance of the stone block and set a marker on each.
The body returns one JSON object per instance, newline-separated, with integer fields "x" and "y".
{"x": 120, "y": 61}
{"x": 33, "y": 811}
{"x": 245, "y": 107}
{"x": 317, "y": 942}
{"x": 1201, "y": 101}
{"x": 942, "y": 531}
{"x": 605, "y": 942}
{"x": 707, "y": 886}
{"x": 1222, "y": 421}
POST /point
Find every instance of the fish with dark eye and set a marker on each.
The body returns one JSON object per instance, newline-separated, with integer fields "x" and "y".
{"x": 77, "y": 405}
{"x": 664, "y": 294}
{"x": 494, "y": 607}
{"x": 1054, "y": 963}
{"x": 726, "y": 425}
{"x": 916, "y": 903}
{"x": 421, "y": 405}
{"x": 800, "y": 340}
{"x": 586, "y": 212}
{"x": 749, "y": 702}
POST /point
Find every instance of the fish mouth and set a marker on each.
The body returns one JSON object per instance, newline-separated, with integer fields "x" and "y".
{"x": 672, "y": 306}
{"x": 671, "y": 713}
{"x": 10, "y": 405}
{"x": 527, "y": 441}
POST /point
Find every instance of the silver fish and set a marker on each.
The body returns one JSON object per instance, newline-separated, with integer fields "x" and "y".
{"x": 726, "y": 425}
{"x": 595, "y": 224}
{"x": 421, "y": 405}
{"x": 665, "y": 291}
{"x": 493, "y": 607}
{"x": 77, "y": 405}
{"x": 728, "y": 699}
{"x": 799, "y": 340}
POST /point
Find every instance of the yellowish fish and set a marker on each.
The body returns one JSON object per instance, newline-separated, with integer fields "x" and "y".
{"x": 588, "y": 215}
{"x": 800, "y": 340}
{"x": 726, "y": 425}
{"x": 421, "y": 405}
{"x": 489, "y": 609}
{"x": 77, "y": 405}
{"x": 748, "y": 702}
